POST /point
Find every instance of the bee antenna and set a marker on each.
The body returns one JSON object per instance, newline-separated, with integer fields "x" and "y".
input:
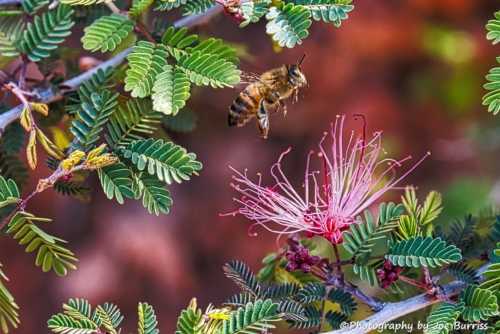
{"x": 300, "y": 62}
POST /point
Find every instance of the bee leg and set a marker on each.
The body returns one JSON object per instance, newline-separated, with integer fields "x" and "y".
{"x": 281, "y": 103}
{"x": 295, "y": 95}
{"x": 263, "y": 119}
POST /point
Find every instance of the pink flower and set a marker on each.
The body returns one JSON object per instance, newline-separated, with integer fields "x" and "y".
{"x": 352, "y": 180}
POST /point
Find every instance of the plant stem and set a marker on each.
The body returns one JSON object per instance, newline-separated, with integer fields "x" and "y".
{"x": 337, "y": 282}
{"x": 392, "y": 311}
{"x": 22, "y": 74}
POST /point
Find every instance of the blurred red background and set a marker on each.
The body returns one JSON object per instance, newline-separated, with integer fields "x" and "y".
{"x": 414, "y": 69}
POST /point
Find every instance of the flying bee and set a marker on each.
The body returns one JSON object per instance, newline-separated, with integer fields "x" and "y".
{"x": 268, "y": 92}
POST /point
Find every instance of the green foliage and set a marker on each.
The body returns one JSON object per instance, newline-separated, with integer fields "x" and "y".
{"x": 195, "y": 6}
{"x": 254, "y": 318}
{"x": 154, "y": 196}
{"x": 110, "y": 316}
{"x": 493, "y": 271}
{"x": 184, "y": 121}
{"x": 46, "y": 33}
{"x": 418, "y": 220}
{"x": 203, "y": 68}
{"x": 98, "y": 82}
{"x": 9, "y": 192}
{"x": 131, "y": 123}
{"x": 314, "y": 319}
{"x": 280, "y": 291}
{"x": 50, "y": 254}
{"x": 8, "y": 307}
{"x": 92, "y": 116}
{"x": 80, "y": 319}
{"x": 253, "y": 11}
{"x": 492, "y": 99}
{"x": 167, "y": 161}
{"x": 311, "y": 292}
{"x": 480, "y": 304}
{"x": 168, "y": 5}
{"x": 146, "y": 62}
{"x": 80, "y": 309}
{"x": 367, "y": 272}
{"x": 75, "y": 189}
{"x": 115, "y": 181}
{"x": 327, "y": 10}
{"x": 190, "y": 322}
{"x": 416, "y": 252}
{"x": 288, "y": 24}
{"x": 107, "y": 32}
{"x": 171, "y": 90}
{"x": 463, "y": 272}
{"x": 177, "y": 42}
{"x": 345, "y": 300}
{"x": 30, "y": 7}
{"x": 362, "y": 237}
{"x": 11, "y": 33}
{"x": 139, "y": 7}
{"x": 441, "y": 321}
{"x": 147, "y": 319}
{"x": 243, "y": 277}
{"x": 335, "y": 319}
{"x": 83, "y": 2}
{"x": 62, "y": 323}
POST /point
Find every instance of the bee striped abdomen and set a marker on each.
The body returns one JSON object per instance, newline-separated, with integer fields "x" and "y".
{"x": 245, "y": 106}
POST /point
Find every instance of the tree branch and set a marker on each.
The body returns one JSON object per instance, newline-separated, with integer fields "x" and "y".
{"x": 189, "y": 22}
{"x": 392, "y": 311}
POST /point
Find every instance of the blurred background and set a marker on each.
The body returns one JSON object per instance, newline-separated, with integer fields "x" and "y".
{"x": 414, "y": 69}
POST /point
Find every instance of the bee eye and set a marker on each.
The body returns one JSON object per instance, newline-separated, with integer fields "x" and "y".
{"x": 294, "y": 72}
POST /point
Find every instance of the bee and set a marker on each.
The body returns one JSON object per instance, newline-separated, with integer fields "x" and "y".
{"x": 267, "y": 93}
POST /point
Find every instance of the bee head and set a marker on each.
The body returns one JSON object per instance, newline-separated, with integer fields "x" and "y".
{"x": 295, "y": 75}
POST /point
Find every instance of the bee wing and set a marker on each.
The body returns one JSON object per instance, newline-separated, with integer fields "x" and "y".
{"x": 246, "y": 78}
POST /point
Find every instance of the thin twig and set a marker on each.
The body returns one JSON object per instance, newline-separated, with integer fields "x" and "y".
{"x": 190, "y": 21}
{"x": 392, "y": 311}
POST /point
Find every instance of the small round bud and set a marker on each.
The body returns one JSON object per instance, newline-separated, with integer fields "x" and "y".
{"x": 302, "y": 254}
{"x": 385, "y": 283}
{"x": 66, "y": 177}
{"x": 305, "y": 268}
{"x": 313, "y": 260}
{"x": 290, "y": 256}
{"x": 381, "y": 273}
{"x": 292, "y": 266}
{"x": 397, "y": 269}
{"x": 387, "y": 265}
{"x": 392, "y": 276}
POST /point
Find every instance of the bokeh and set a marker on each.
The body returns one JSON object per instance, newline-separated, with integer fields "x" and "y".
{"x": 415, "y": 69}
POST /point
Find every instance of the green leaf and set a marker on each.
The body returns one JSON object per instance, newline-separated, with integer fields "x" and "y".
{"x": 132, "y": 123}
{"x": 167, "y": 161}
{"x": 107, "y": 32}
{"x": 288, "y": 24}
{"x": 442, "y": 320}
{"x": 195, "y": 6}
{"x": 146, "y": 63}
{"x": 154, "y": 196}
{"x": 311, "y": 292}
{"x": 62, "y": 323}
{"x": 190, "y": 322}
{"x": 110, "y": 316}
{"x": 480, "y": 304}
{"x": 92, "y": 117}
{"x": 253, "y": 11}
{"x": 362, "y": 237}
{"x": 432, "y": 208}
{"x": 171, "y": 90}
{"x": 46, "y": 33}
{"x": 327, "y": 10}
{"x": 147, "y": 320}
{"x": 115, "y": 181}
{"x": 243, "y": 277}
{"x": 11, "y": 33}
{"x": 254, "y": 318}
{"x": 416, "y": 252}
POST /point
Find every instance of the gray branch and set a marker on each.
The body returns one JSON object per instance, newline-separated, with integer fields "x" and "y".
{"x": 190, "y": 21}
{"x": 392, "y": 311}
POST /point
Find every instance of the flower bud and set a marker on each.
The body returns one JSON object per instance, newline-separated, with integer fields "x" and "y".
{"x": 292, "y": 266}
{"x": 397, "y": 269}
{"x": 385, "y": 283}
{"x": 387, "y": 265}
{"x": 381, "y": 273}
{"x": 313, "y": 260}
{"x": 290, "y": 256}
{"x": 392, "y": 276}
{"x": 305, "y": 268}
